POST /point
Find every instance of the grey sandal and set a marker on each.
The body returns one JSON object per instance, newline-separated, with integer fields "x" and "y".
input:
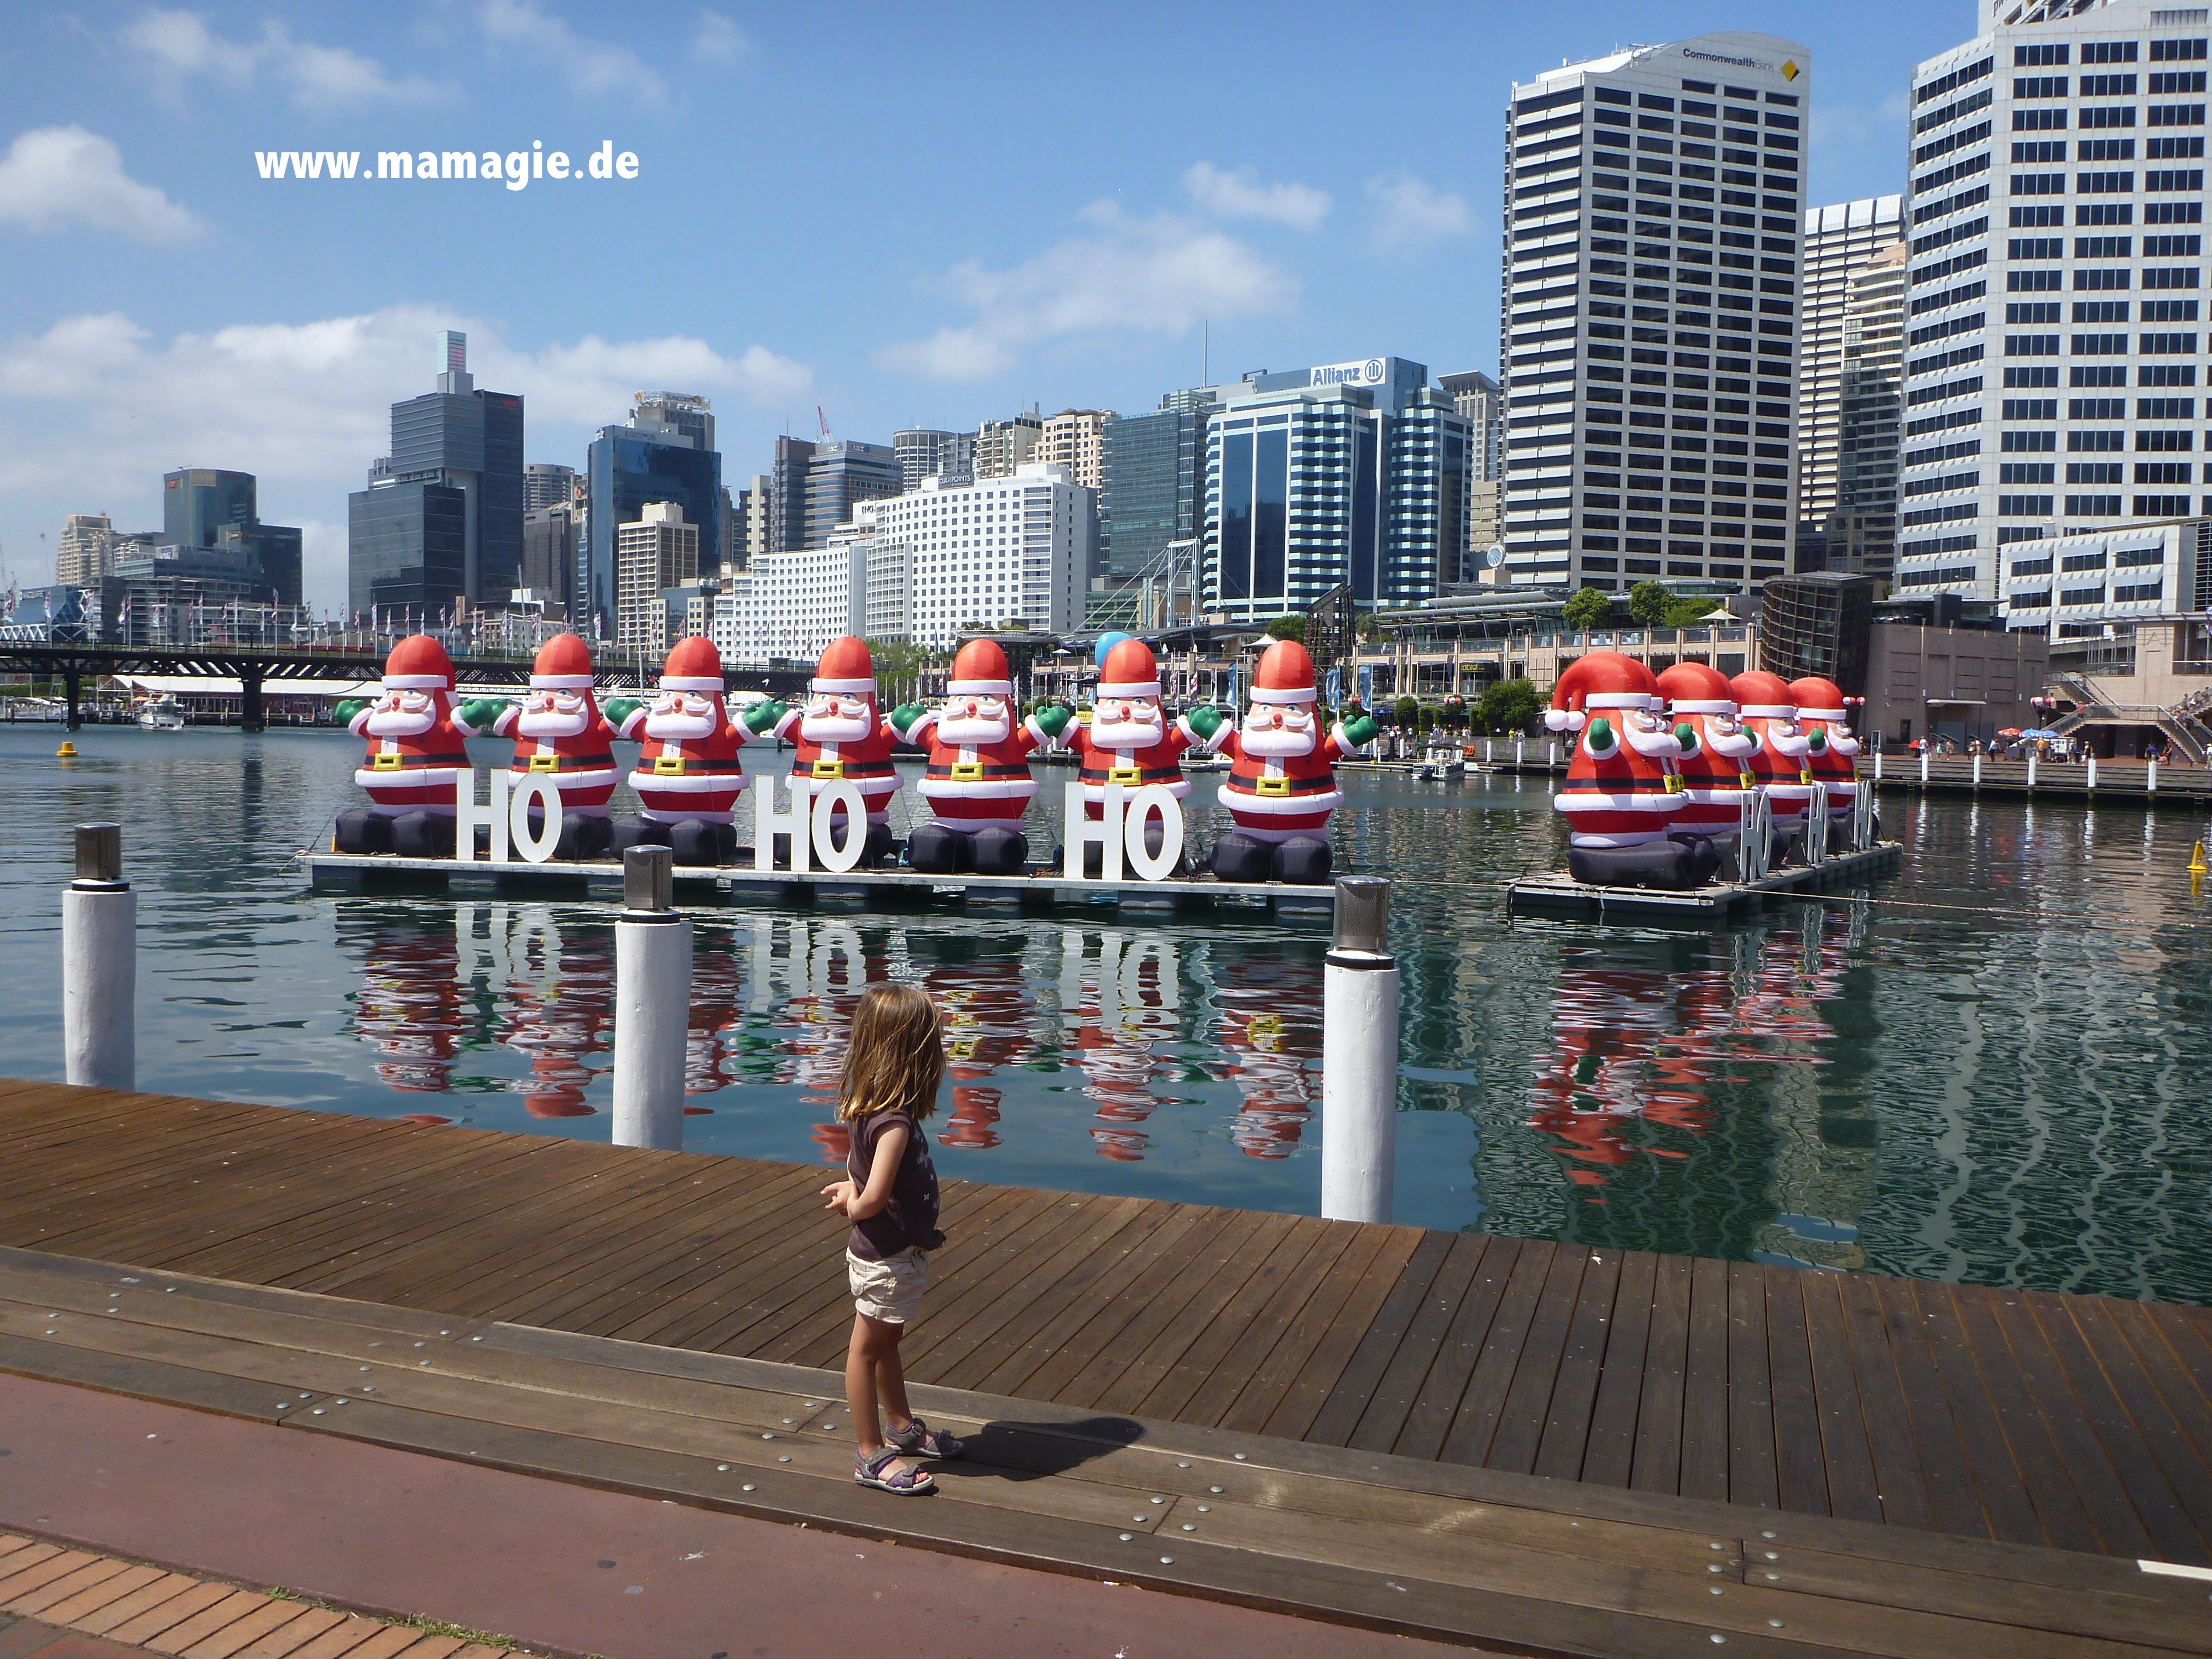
{"x": 918, "y": 1439}
{"x": 877, "y": 1472}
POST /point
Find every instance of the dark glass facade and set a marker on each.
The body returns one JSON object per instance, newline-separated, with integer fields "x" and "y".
{"x": 407, "y": 548}
{"x": 1818, "y": 624}
{"x": 628, "y": 470}
{"x": 198, "y": 502}
{"x": 840, "y": 476}
{"x": 1155, "y": 488}
{"x": 549, "y": 553}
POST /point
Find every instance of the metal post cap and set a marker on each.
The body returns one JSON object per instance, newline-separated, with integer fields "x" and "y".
{"x": 100, "y": 857}
{"x": 1363, "y": 915}
{"x": 649, "y": 883}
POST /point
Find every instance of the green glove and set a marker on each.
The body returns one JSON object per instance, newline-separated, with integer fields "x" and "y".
{"x": 343, "y": 712}
{"x": 1599, "y": 733}
{"x": 1205, "y": 719}
{"x": 1361, "y": 730}
{"x": 1052, "y": 719}
{"x": 479, "y": 714}
{"x": 619, "y": 709}
{"x": 904, "y": 716}
{"x": 764, "y": 717}
{"x": 1687, "y": 735}
{"x": 1816, "y": 741}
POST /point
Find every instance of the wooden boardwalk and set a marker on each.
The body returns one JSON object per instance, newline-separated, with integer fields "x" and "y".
{"x": 2026, "y": 1419}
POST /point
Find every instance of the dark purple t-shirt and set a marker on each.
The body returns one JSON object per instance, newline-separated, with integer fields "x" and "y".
{"x": 908, "y": 1221}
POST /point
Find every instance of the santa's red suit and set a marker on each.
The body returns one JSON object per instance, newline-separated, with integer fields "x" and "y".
{"x": 1282, "y": 776}
{"x": 1779, "y": 762}
{"x": 416, "y": 751}
{"x": 841, "y": 736}
{"x": 558, "y": 728}
{"x": 1622, "y": 787}
{"x": 1714, "y": 747}
{"x": 1130, "y": 741}
{"x": 1831, "y": 750}
{"x": 978, "y": 776}
{"x": 689, "y": 766}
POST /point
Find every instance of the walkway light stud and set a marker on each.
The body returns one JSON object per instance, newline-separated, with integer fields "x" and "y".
{"x": 99, "y": 972}
{"x": 652, "y": 1003}
{"x": 1360, "y": 1057}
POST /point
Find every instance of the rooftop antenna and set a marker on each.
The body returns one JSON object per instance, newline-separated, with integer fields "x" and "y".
{"x": 1205, "y": 353}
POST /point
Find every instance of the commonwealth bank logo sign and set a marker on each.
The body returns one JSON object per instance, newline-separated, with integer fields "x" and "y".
{"x": 1790, "y": 69}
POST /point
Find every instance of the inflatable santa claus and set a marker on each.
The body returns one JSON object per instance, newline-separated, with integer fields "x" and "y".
{"x": 687, "y": 778}
{"x": 1130, "y": 741}
{"x": 1832, "y": 752}
{"x": 1778, "y": 763}
{"x": 558, "y": 729}
{"x": 1714, "y": 747}
{"x": 842, "y": 737}
{"x": 416, "y": 755}
{"x": 1281, "y": 787}
{"x": 1623, "y": 791}
{"x": 977, "y": 782}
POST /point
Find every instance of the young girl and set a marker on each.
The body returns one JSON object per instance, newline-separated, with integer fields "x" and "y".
{"x": 889, "y": 1084}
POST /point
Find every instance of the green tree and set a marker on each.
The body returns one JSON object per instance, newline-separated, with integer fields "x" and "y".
{"x": 1509, "y": 705}
{"x": 1404, "y": 712}
{"x": 1688, "y": 613}
{"x": 1588, "y": 609}
{"x": 1649, "y": 603}
{"x": 1288, "y": 628}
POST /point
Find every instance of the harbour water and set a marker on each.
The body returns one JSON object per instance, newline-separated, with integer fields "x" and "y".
{"x": 1994, "y": 1067}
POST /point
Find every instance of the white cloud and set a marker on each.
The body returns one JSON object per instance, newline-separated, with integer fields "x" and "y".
{"x": 1412, "y": 215}
{"x": 590, "y": 66}
{"x": 303, "y": 405}
{"x": 1160, "y": 274}
{"x": 178, "y": 48}
{"x": 54, "y": 176}
{"x": 718, "y": 39}
{"x": 1240, "y": 195}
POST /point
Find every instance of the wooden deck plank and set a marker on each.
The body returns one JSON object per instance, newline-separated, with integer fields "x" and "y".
{"x": 1854, "y": 1490}
{"x": 2010, "y": 1512}
{"x": 1800, "y": 1470}
{"x": 1435, "y": 1408}
{"x": 1566, "y": 1433}
{"x": 1264, "y": 1393}
{"x": 1953, "y": 1504}
{"x": 1242, "y": 1316}
{"x": 1405, "y": 1380}
{"x": 1609, "y": 1453}
{"x": 1481, "y": 1408}
{"x": 1899, "y": 1485}
{"x": 2060, "y": 1516}
{"x": 1286, "y": 1322}
{"x": 1751, "y": 1478}
{"x": 1657, "y": 1463}
{"x": 1528, "y": 1407}
{"x": 1340, "y": 1414}
{"x": 1704, "y": 1385}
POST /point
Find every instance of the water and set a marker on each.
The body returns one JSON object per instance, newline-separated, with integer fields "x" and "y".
{"x": 1991, "y": 1069}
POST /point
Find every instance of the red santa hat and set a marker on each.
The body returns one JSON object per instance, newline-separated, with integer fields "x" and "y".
{"x": 418, "y": 663}
{"x": 564, "y": 664}
{"x": 845, "y": 666}
{"x": 694, "y": 666}
{"x": 1129, "y": 672}
{"x": 1763, "y": 695}
{"x": 1286, "y": 674}
{"x": 1599, "y": 680}
{"x": 980, "y": 671}
{"x": 1818, "y": 699}
{"x": 1696, "y": 688}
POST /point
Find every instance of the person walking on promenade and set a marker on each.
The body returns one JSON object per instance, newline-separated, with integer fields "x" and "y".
{"x": 892, "y": 1070}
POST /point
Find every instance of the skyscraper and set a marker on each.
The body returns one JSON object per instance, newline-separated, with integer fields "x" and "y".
{"x": 547, "y": 483}
{"x": 1002, "y": 446}
{"x": 1840, "y": 238}
{"x": 441, "y": 518}
{"x": 657, "y": 551}
{"x": 1481, "y": 401}
{"x": 841, "y": 474}
{"x": 1652, "y": 314}
{"x": 2091, "y": 419}
{"x": 204, "y": 507}
{"x": 786, "y": 514}
{"x": 86, "y": 554}
{"x": 1861, "y": 531}
{"x": 1075, "y": 439}
{"x": 664, "y": 452}
{"x": 926, "y": 452}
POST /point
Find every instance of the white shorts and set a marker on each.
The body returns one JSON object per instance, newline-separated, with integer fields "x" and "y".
{"x": 890, "y": 1289}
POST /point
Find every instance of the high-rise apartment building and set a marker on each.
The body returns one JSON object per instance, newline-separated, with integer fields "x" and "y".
{"x": 1075, "y": 439}
{"x": 664, "y": 452}
{"x": 928, "y": 452}
{"x": 550, "y": 543}
{"x": 441, "y": 518}
{"x": 657, "y": 551}
{"x": 759, "y": 498}
{"x": 1481, "y": 401}
{"x": 1839, "y": 239}
{"x": 1003, "y": 446}
{"x": 841, "y": 474}
{"x": 1860, "y": 533}
{"x": 547, "y": 483}
{"x": 86, "y": 554}
{"x": 1347, "y": 474}
{"x": 2054, "y": 338}
{"x": 1650, "y": 335}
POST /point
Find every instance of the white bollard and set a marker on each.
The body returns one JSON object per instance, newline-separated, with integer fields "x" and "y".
{"x": 2031, "y": 774}
{"x": 2150, "y": 782}
{"x": 653, "y": 1005}
{"x": 1877, "y": 762}
{"x": 1488, "y": 745}
{"x": 2093, "y": 774}
{"x": 99, "y": 965}
{"x": 1360, "y": 1057}
{"x": 1923, "y": 769}
{"x": 1977, "y": 769}
{"x": 1520, "y": 744}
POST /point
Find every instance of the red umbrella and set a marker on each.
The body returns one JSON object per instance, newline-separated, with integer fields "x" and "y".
{"x": 2009, "y": 732}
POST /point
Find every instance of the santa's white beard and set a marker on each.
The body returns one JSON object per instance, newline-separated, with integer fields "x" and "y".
{"x": 545, "y": 723}
{"x": 1276, "y": 743}
{"x": 836, "y": 728}
{"x": 1128, "y": 734}
{"x": 974, "y": 731}
{"x": 672, "y": 728}
{"x": 399, "y": 722}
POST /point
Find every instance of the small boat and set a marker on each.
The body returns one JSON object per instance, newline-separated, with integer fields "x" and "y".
{"x": 161, "y": 713}
{"x": 1442, "y": 762}
{"x": 1194, "y": 762}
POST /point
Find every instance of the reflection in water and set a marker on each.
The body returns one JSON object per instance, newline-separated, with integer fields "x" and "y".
{"x": 409, "y": 1008}
{"x": 1120, "y": 1009}
{"x": 1270, "y": 1034}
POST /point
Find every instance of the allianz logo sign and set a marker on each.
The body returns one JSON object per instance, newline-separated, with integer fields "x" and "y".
{"x": 1369, "y": 373}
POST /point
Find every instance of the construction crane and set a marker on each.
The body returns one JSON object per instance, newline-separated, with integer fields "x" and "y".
{"x": 822, "y": 421}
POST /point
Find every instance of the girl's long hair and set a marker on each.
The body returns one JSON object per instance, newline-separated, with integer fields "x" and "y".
{"x": 896, "y": 1056}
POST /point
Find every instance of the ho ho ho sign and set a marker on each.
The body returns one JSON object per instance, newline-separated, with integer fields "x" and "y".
{"x": 811, "y": 820}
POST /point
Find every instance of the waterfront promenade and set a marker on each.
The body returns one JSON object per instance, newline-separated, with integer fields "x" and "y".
{"x": 1477, "y": 1440}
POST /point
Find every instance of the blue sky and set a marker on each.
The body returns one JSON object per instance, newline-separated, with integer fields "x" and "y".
{"x": 904, "y": 215}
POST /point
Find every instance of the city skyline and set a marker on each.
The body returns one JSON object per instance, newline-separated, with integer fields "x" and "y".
{"x": 1093, "y": 288}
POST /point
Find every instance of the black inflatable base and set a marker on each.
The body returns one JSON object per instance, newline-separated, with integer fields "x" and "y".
{"x": 423, "y": 836}
{"x": 584, "y": 837}
{"x": 1683, "y": 861}
{"x": 1094, "y": 855}
{"x": 362, "y": 831}
{"x": 703, "y": 842}
{"x": 1302, "y": 860}
{"x": 933, "y": 850}
{"x": 880, "y": 848}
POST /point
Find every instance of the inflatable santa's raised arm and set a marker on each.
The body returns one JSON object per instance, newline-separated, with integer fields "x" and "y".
{"x": 841, "y": 737}
{"x": 978, "y": 782}
{"x": 1622, "y": 792}
{"x": 1715, "y": 749}
{"x": 558, "y": 730}
{"x": 1779, "y": 763}
{"x": 415, "y": 755}
{"x": 687, "y": 777}
{"x": 1281, "y": 787}
{"x": 1832, "y": 752}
